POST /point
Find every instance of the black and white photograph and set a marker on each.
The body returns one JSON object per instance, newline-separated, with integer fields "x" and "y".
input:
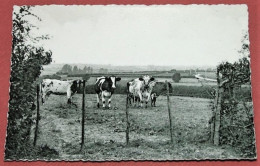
{"x": 130, "y": 82}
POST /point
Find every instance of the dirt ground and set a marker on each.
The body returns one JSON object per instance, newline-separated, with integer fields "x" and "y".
{"x": 60, "y": 129}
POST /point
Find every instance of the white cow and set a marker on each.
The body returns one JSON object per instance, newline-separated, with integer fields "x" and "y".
{"x": 140, "y": 89}
{"x": 49, "y": 86}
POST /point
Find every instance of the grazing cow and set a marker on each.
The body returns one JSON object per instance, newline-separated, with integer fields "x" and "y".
{"x": 142, "y": 88}
{"x": 104, "y": 88}
{"x": 53, "y": 86}
{"x": 159, "y": 89}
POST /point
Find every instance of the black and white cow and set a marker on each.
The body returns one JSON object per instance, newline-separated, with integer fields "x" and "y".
{"x": 140, "y": 89}
{"x": 53, "y": 86}
{"x": 104, "y": 88}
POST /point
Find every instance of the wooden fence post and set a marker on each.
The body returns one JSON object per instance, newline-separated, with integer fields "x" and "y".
{"x": 212, "y": 121}
{"x": 127, "y": 121}
{"x": 217, "y": 116}
{"x": 83, "y": 117}
{"x": 169, "y": 111}
{"x": 37, "y": 115}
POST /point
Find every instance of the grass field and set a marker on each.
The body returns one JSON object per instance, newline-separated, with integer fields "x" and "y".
{"x": 60, "y": 129}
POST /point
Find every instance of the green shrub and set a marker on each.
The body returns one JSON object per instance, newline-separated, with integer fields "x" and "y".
{"x": 27, "y": 61}
{"x": 176, "y": 77}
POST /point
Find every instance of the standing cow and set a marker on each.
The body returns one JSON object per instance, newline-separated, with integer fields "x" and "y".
{"x": 104, "y": 88}
{"x": 49, "y": 86}
{"x": 141, "y": 88}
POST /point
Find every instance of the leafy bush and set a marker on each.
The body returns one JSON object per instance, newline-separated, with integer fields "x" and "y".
{"x": 176, "y": 77}
{"x": 237, "y": 125}
{"x": 27, "y": 61}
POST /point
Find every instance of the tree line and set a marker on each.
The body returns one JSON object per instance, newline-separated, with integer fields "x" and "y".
{"x": 68, "y": 69}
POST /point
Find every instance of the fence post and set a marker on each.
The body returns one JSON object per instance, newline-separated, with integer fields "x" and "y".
{"x": 217, "y": 117}
{"x": 83, "y": 117}
{"x": 212, "y": 121}
{"x": 127, "y": 121}
{"x": 37, "y": 115}
{"x": 169, "y": 110}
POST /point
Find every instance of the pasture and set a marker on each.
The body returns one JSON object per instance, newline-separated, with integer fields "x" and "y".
{"x": 60, "y": 129}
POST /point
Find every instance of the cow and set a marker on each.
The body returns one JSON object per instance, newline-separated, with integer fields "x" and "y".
{"x": 159, "y": 89}
{"x": 53, "y": 86}
{"x": 142, "y": 88}
{"x": 104, "y": 88}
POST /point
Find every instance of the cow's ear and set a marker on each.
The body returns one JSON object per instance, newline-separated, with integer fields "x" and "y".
{"x": 118, "y": 78}
{"x": 152, "y": 79}
{"x": 141, "y": 79}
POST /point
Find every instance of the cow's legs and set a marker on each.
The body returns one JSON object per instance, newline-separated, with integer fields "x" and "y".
{"x": 109, "y": 102}
{"x": 103, "y": 100}
{"x": 135, "y": 101}
{"x": 43, "y": 97}
{"x": 98, "y": 98}
{"x": 141, "y": 98}
{"x": 69, "y": 96}
{"x": 152, "y": 98}
{"x": 146, "y": 102}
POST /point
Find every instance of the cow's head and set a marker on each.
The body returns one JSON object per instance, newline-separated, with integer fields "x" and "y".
{"x": 113, "y": 79}
{"x": 146, "y": 79}
{"x": 76, "y": 84}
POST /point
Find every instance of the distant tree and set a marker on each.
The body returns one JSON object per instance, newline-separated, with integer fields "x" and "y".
{"x": 80, "y": 71}
{"x": 102, "y": 70}
{"x": 176, "y": 77}
{"x": 173, "y": 70}
{"x": 69, "y": 69}
{"x": 75, "y": 70}
{"x": 85, "y": 69}
{"x": 66, "y": 69}
{"x": 90, "y": 70}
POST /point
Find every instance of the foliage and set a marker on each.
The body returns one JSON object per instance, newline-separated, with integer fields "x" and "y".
{"x": 237, "y": 128}
{"x": 66, "y": 69}
{"x": 27, "y": 60}
{"x": 176, "y": 77}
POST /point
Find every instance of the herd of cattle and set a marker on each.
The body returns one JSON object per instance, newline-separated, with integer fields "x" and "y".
{"x": 139, "y": 90}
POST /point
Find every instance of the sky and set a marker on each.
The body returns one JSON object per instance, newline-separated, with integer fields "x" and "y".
{"x": 164, "y": 35}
